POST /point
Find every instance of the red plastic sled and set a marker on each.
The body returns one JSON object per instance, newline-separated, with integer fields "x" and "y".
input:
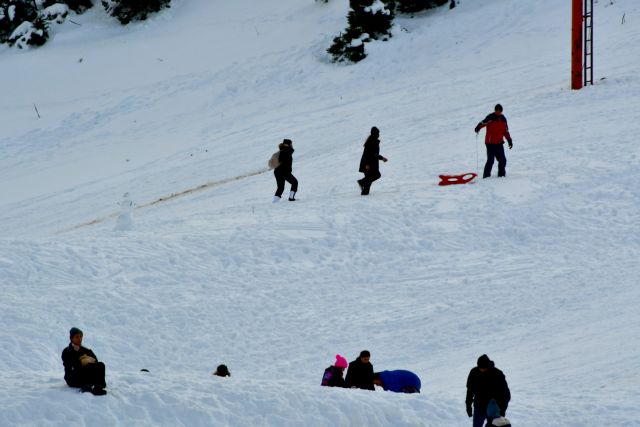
{"x": 457, "y": 179}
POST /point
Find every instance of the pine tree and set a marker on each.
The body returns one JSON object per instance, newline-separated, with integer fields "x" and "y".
{"x": 78, "y": 6}
{"x": 413, "y": 6}
{"x": 133, "y": 10}
{"x": 368, "y": 20}
{"x": 28, "y": 33}
{"x": 12, "y": 14}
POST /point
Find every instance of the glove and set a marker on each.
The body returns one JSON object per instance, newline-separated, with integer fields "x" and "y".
{"x": 469, "y": 410}
{"x": 477, "y": 129}
{"x": 510, "y": 144}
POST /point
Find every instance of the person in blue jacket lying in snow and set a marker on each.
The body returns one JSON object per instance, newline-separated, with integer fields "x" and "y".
{"x": 399, "y": 381}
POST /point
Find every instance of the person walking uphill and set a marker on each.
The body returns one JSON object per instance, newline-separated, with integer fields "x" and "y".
{"x": 81, "y": 366}
{"x": 370, "y": 161}
{"x": 360, "y": 372}
{"x": 497, "y": 129}
{"x": 283, "y": 171}
{"x": 484, "y": 384}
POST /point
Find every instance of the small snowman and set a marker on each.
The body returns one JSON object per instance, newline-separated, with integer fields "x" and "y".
{"x": 124, "y": 221}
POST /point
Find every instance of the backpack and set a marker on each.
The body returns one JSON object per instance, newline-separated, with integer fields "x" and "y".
{"x": 274, "y": 161}
{"x": 326, "y": 378}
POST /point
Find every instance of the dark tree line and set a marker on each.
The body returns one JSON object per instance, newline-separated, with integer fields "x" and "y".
{"x": 27, "y": 22}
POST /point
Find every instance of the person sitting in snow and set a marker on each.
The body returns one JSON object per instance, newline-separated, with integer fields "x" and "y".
{"x": 222, "y": 371}
{"x": 81, "y": 366}
{"x": 333, "y": 375}
{"x": 283, "y": 171}
{"x": 484, "y": 384}
{"x": 398, "y": 381}
{"x": 360, "y": 372}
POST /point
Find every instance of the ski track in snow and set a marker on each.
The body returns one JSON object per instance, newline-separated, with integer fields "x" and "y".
{"x": 538, "y": 270}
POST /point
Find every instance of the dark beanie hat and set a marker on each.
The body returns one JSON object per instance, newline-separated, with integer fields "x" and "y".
{"x": 365, "y": 353}
{"x": 74, "y": 331}
{"x": 287, "y": 141}
{"x": 222, "y": 371}
{"x": 375, "y": 131}
{"x": 484, "y": 361}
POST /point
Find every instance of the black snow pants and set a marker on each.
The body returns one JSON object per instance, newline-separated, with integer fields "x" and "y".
{"x": 495, "y": 151}
{"x": 369, "y": 178}
{"x": 281, "y": 178}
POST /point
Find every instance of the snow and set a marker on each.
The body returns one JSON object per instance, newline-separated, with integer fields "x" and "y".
{"x": 538, "y": 270}
{"x": 377, "y": 7}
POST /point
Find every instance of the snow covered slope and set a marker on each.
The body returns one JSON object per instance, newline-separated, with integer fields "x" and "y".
{"x": 538, "y": 270}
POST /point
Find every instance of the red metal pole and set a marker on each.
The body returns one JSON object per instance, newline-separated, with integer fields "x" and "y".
{"x": 576, "y": 45}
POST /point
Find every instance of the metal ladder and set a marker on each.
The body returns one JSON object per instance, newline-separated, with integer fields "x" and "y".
{"x": 587, "y": 19}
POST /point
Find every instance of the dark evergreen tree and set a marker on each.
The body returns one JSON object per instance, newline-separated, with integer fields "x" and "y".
{"x": 13, "y": 13}
{"x": 29, "y": 33}
{"x": 133, "y": 10}
{"x": 413, "y": 6}
{"x": 78, "y": 6}
{"x": 368, "y": 19}
{"x": 347, "y": 47}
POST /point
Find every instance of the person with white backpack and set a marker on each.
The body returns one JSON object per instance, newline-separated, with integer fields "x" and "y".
{"x": 281, "y": 163}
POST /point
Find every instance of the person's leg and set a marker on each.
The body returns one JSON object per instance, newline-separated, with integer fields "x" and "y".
{"x": 489, "y": 165}
{"x": 365, "y": 183}
{"x": 280, "y": 183}
{"x": 293, "y": 181}
{"x": 369, "y": 178}
{"x": 479, "y": 416}
{"x": 94, "y": 374}
{"x": 502, "y": 160}
{"x": 374, "y": 177}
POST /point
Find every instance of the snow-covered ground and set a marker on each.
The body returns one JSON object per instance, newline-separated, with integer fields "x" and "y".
{"x": 538, "y": 270}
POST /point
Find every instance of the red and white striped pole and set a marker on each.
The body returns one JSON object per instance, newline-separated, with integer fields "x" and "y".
{"x": 576, "y": 45}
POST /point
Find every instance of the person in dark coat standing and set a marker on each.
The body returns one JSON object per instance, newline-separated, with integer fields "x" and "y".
{"x": 81, "y": 366}
{"x": 497, "y": 129}
{"x": 370, "y": 161}
{"x": 486, "y": 382}
{"x": 333, "y": 375}
{"x": 360, "y": 372}
{"x": 283, "y": 171}
{"x": 398, "y": 381}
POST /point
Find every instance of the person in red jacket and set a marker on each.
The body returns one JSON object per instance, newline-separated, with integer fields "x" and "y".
{"x": 497, "y": 129}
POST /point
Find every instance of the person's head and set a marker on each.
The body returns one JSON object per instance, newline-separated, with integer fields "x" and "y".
{"x": 365, "y": 356}
{"x": 498, "y": 109}
{"x": 287, "y": 142}
{"x": 484, "y": 363}
{"x": 341, "y": 362}
{"x": 222, "y": 371}
{"x": 376, "y": 379}
{"x": 75, "y": 335}
{"x": 375, "y": 131}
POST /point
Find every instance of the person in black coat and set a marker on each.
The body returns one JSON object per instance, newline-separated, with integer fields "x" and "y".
{"x": 360, "y": 372}
{"x": 283, "y": 171}
{"x": 370, "y": 161}
{"x": 81, "y": 366}
{"x": 486, "y": 382}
